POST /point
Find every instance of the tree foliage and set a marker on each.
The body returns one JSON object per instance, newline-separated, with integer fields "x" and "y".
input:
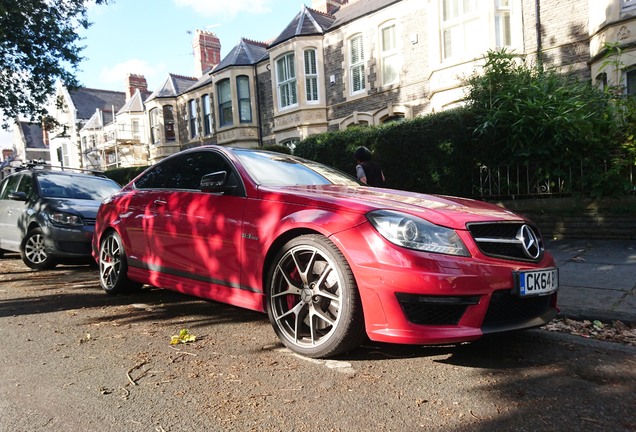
{"x": 527, "y": 114}
{"x": 39, "y": 44}
{"x": 524, "y": 112}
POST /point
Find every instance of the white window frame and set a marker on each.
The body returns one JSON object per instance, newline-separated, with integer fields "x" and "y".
{"x": 503, "y": 31}
{"x": 457, "y": 26}
{"x": 628, "y": 5}
{"x": 223, "y": 89}
{"x": 244, "y": 99}
{"x": 357, "y": 65}
{"x": 207, "y": 114}
{"x": 389, "y": 56}
{"x": 193, "y": 120}
{"x": 286, "y": 81}
{"x": 629, "y": 90}
{"x": 312, "y": 93}
{"x": 155, "y": 136}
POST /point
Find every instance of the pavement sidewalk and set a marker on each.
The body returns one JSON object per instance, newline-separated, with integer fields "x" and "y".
{"x": 597, "y": 278}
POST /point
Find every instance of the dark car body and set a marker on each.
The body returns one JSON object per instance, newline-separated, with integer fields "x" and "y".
{"x": 49, "y": 216}
{"x": 328, "y": 258}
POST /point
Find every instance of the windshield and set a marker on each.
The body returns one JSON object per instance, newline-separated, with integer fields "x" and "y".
{"x": 76, "y": 187}
{"x": 277, "y": 169}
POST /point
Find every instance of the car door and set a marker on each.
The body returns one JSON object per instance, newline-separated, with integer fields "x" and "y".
{"x": 189, "y": 233}
{"x": 12, "y": 212}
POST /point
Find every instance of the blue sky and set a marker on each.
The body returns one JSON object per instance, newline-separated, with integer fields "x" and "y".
{"x": 154, "y": 37}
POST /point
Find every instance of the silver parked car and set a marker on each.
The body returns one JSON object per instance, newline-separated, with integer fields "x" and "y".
{"x": 49, "y": 216}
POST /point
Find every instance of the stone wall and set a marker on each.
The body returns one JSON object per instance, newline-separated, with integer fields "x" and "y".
{"x": 574, "y": 218}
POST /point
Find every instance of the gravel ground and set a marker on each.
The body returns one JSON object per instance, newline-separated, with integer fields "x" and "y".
{"x": 73, "y": 358}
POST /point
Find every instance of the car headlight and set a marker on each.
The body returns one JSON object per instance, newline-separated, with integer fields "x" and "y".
{"x": 66, "y": 219}
{"x": 415, "y": 233}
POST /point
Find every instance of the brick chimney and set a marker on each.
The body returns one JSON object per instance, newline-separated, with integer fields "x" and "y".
{"x": 207, "y": 51}
{"x": 135, "y": 82}
{"x": 328, "y": 6}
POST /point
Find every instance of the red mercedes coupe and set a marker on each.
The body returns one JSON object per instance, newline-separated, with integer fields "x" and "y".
{"x": 329, "y": 259}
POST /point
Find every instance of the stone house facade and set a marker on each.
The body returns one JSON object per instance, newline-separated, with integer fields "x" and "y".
{"x": 344, "y": 63}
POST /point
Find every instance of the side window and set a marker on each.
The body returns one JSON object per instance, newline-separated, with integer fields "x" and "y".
{"x": 168, "y": 122}
{"x": 356, "y": 64}
{"x": 193, "y": 113}
{"x": 245, "y": 104}
{"x": 26, "y": 185}
{"x": 207, "y": 114}
{"x": 630, "y": 82}
{"x": 158, "y": 177}
{"x": 224, "y": 94}
{"x": 154, "y": 126}
{"x": 389, "y": 55}
{"x": 9, "y": 185}
{"x": 170, "y": 174}
{"x": 286, "y": 81}
{"x": 311, "y": 76}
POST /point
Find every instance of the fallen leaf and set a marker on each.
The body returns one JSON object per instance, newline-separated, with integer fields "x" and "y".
{"x": 183, "y": 337}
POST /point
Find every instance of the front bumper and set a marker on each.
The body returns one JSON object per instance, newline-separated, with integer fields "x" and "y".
{"x": 68, "y": 243}
{"x": 413, "y": 297}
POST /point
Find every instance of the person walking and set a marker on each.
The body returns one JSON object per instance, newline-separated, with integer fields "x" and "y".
{"x": 368, "y": 171}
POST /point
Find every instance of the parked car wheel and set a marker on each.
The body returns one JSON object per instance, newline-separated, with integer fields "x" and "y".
{"x": 113, "y": 266}
{"x": 312, "y": 299}
{"x": 34, "y": 253}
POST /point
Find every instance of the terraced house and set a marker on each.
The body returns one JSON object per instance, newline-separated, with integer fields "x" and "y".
{"x": 342, "y": 63}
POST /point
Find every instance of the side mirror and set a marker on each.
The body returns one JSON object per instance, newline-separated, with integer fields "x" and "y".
{"x": 17, "y": 196}
{"x": 216, "y": 182}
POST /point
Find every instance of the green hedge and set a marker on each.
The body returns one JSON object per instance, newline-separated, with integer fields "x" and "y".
{"x": 429, "y": 154}
{"x": 124, "y": 175}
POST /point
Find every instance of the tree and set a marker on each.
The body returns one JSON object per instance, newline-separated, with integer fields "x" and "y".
{"x": 38, "y": 46}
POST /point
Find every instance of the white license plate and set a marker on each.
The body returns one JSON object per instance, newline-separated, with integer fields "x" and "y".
{"x": 537, "y": 282}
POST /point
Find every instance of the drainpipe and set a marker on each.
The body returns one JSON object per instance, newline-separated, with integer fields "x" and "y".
{"x": 258, "y": 107}
{"x": 537, "y": 14}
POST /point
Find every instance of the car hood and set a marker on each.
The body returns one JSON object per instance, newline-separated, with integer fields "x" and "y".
{"x": 85, "y": 208}
{"x": 452, "y": 212}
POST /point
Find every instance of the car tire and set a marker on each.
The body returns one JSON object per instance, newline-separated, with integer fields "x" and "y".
{"x": 33, "y": 251}
{"x": 113, "y": 266}
{"x": 312, "y": 299}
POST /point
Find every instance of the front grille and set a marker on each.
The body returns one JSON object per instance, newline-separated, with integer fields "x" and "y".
{"x": 507, "y": 308}
{"x": 89, "y": 221}
{"x": 505, "y": 240}
{"x": 74, "y": 247}
{"x": 434, "y": 310}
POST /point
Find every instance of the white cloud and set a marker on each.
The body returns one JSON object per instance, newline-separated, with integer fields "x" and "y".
{"x": 117, "y": 74}
{"x": 226, "y": 9}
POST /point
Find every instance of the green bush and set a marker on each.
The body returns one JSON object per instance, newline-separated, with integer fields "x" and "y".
{"x": 275, "y": 148}
{"x": 336, "y": 148}
{"x": 428, "y": 154}
{"x": 123, "y": 176}
{"x": 526, "y": 114}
